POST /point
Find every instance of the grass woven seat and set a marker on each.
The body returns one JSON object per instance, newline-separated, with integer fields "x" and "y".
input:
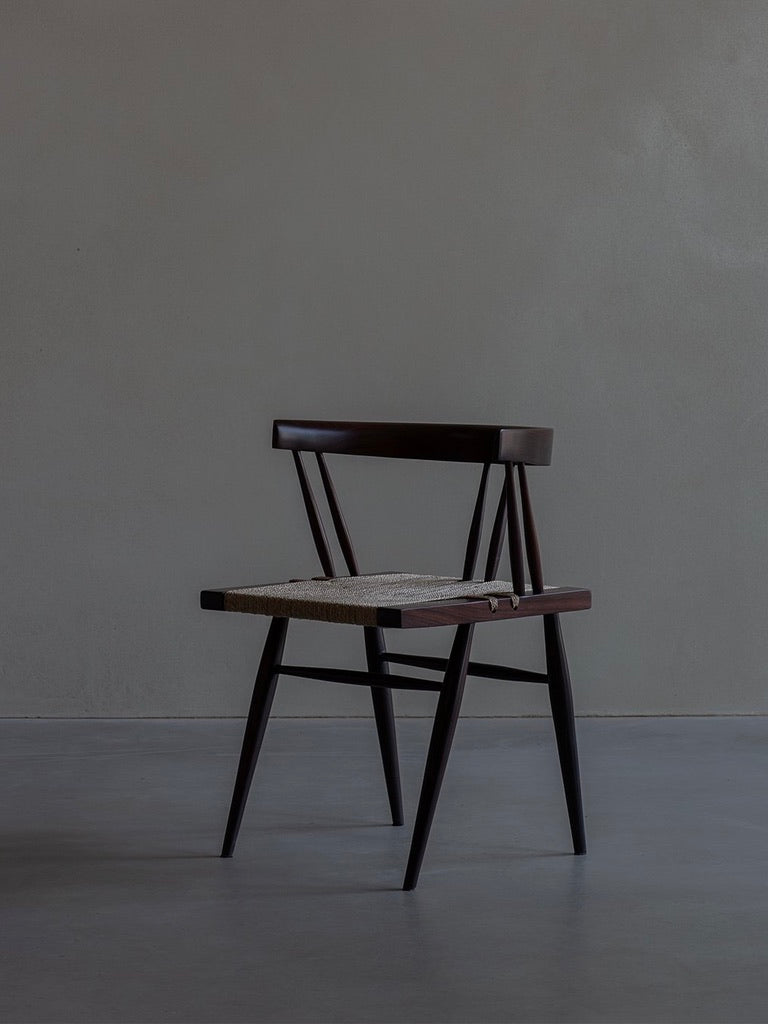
{"x": 356, "y": 599}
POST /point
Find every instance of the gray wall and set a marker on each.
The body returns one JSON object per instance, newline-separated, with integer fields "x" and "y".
{"x": 215, "y": 213}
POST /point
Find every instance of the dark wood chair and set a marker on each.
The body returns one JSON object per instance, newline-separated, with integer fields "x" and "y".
{"x": 387, "y": 601}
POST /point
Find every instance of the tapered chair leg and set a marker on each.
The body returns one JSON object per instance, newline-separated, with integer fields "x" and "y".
{"x": 261, "y": 704}
{"x": 561, "y": 702}
{"x": 446, "y": 717}
{"x": 385, "y": 722}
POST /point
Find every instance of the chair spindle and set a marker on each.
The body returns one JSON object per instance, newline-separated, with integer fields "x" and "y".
{"x": 497, "y": 536}
{"x": 315, "y": 522}
{"x": 475, "y": 529}
{"x": 513, "y": 531}
{"x": 339, "y": 523}
{"x": 531, "y": 537}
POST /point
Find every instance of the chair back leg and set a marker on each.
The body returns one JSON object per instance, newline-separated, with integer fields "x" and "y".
{"x": 258, "y": 715}
{"x": 385, "y": 721}
{"x": 561, "y": 702}
{"x": 446, "y": 717}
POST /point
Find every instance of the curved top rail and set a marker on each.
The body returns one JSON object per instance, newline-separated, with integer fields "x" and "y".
{"x": 443, "y": 442}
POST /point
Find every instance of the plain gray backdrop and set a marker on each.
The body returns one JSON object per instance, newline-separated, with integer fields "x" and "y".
{"x": 217, "y": 213}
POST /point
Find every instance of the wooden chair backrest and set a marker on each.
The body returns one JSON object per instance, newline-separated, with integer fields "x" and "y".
{"x": 513, "y": 447}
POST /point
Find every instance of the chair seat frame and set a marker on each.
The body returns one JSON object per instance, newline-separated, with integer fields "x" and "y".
{"x": 514, "y": 448}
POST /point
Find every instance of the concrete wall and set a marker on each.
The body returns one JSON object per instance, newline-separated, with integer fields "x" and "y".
{"x": 215, "y": 213}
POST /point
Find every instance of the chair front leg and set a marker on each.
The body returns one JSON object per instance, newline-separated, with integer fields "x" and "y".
{"x": 385, "y": 722}
{"x": 446, "y": 718}
{"x": 561, "y": 701}
{"x": 258, "y": 715}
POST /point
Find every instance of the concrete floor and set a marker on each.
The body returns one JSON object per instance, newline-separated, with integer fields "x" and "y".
{"x": 115, "y": 907}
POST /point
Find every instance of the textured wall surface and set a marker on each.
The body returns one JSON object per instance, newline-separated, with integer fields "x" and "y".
{"x": 215, "y": 213}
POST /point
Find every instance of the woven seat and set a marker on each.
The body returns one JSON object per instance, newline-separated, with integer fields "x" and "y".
{"x": 357, "y": 599}
{"x": 406, "y": 600}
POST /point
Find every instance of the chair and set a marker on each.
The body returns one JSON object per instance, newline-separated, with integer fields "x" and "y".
{"x": 410, "y": 601}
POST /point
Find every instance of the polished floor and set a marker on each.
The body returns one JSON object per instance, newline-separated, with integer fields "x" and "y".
{"x": 115, "y": 907}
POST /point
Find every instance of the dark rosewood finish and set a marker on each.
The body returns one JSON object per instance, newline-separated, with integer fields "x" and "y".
{"x": 531, "y": 537}
{"x": 339, "y": 523}
{"x": 513, "y": 530}
{"x": 514, "y": 448}
{"x": 258, "y": 715}
{"x": 384, "y": 713}
{"x": 446, "y": 717}
{"x": 439, "y": 441}
{"x": 315, "y": 522}
{"x": 561, "y": 702}
{"x": 450, "y": 613}
{"x": 476, "y": 668}
{"x": 476, "y": 526}
{"x": 355, "y": 678}
{"x": 496, "y": 542}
